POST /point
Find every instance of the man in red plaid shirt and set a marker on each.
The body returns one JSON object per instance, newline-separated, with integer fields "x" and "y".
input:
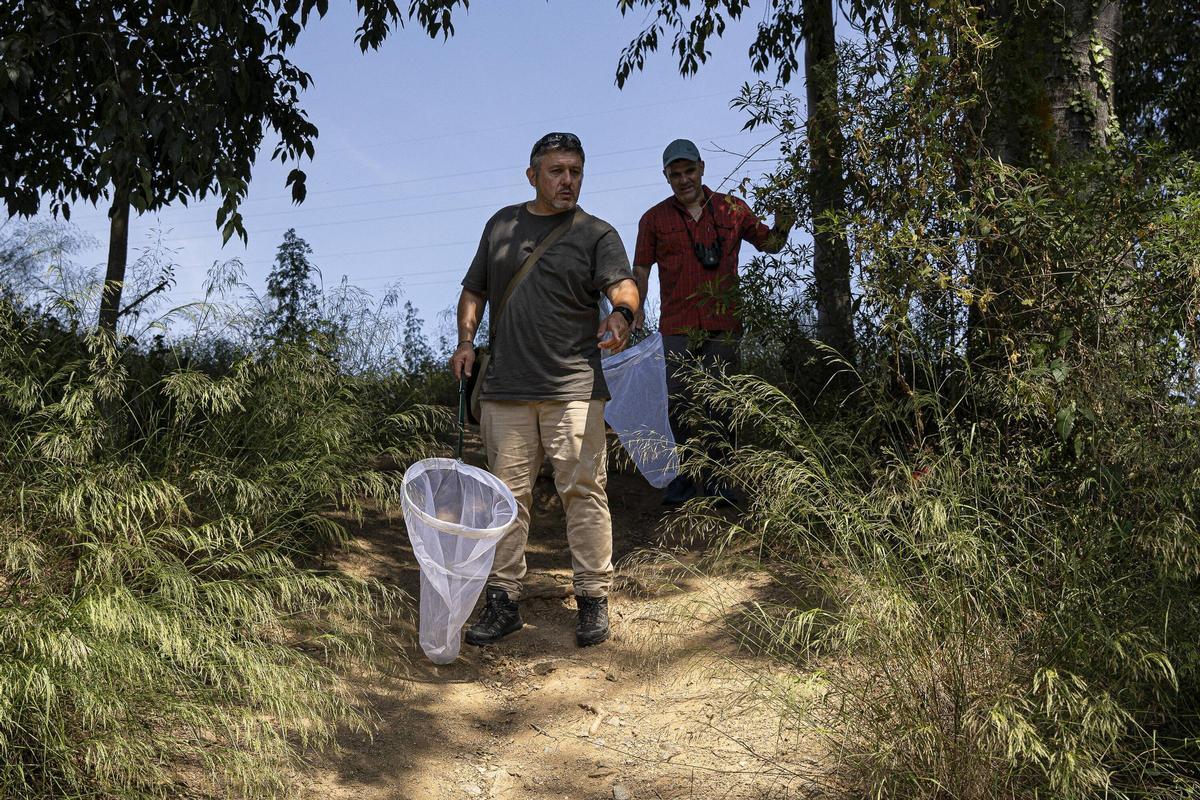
{"x": 694, "y": 237}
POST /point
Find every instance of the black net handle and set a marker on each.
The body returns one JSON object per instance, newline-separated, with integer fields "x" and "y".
{"x": 462, "y": 414}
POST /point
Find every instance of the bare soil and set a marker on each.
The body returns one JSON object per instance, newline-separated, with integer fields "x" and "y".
{"x": 665, "y": 709}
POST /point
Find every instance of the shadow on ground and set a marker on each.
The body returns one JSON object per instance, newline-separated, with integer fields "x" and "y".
{"x": 536, "y": 717}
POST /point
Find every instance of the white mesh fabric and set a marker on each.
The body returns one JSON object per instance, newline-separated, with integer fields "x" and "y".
{"x": 455, "y": 514}
{"x": 637, "y": 381}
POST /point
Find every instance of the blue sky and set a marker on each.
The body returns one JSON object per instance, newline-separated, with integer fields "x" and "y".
{"x": 422, "y": 141}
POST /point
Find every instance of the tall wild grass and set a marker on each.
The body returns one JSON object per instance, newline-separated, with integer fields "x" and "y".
{"x": 979, "y": 626}
{"x": 167, "y": 626}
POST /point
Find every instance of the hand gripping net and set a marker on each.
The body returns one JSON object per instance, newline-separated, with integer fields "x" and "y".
{"x": 455, "y": 514}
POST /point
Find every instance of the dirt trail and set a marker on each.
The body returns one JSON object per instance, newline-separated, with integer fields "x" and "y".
{"x": 659, "y": 711}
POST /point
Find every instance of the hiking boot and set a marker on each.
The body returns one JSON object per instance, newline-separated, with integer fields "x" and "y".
{"x": 592, "y": 627}
{"x": 679, "y": 491}
{"x": 723, "y": 493}
{"x": 500, "y": 617}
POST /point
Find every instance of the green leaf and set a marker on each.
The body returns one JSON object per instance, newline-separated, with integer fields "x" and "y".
{"x": 299, "y": 188}
{"x": 1064, "y": 421}
{"x": 234, "y": 225}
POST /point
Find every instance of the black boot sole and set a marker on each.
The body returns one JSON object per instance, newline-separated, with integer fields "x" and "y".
{"x": 480, "y": 641}
{"x": 593, "y": 640}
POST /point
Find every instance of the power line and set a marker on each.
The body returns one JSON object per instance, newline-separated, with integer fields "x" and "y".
{"x": 453, "y": 274}
{"x": 387, "y": 217}
{"x": 410, "y": 214}
{"x": 453, "y": 278}
{"x": 406, "y": 181}
{"x": 403, "y": 248}
{"x": 307, "y": 208}
{"x": 518, "y": 168}
{"x": 304, "y": 208}
{"x": 400, "y": 248}
{"x": 459, "y": 270}
{"x": 547, "y": 120}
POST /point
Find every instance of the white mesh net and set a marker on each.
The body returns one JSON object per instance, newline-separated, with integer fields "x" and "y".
{"x": 455, "y": 514}
{"x": 637, "y": 381}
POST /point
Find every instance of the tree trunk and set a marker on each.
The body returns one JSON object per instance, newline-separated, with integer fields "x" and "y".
{"x": 1051, "y": 81}
{"x": 1081, "y": 84}
{"x": 1050, "y": 99}
{"x": 827, "y": 187}
{"x": 118, "y": 257}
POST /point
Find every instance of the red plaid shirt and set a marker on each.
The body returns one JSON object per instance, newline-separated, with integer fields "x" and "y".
{"x": 692, "y": 297}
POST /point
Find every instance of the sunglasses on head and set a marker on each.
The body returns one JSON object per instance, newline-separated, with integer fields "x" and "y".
{"x": 554, "y": 141}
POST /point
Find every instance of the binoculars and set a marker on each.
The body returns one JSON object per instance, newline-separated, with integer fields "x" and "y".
{"x": 709, "y": 255}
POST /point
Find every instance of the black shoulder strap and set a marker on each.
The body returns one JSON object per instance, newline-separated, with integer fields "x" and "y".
{"x": 527, "y": 267}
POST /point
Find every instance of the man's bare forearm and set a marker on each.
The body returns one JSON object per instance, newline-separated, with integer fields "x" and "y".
{"x": 625, "y": 293}
{"x": 470, "y": 312}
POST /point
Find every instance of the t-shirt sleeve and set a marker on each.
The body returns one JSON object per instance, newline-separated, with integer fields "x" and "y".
{"x": 476, "y": 279}
{"x": 645, "y": 251}
{"x": 749, "y": 227}
{"x": 612, "y": 264}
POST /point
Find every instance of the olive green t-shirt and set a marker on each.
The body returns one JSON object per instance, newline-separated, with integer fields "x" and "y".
{"x": 544, "y": 346}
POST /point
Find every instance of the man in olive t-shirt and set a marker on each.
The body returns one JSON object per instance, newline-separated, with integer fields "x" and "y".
{"x": 544, "y": 390}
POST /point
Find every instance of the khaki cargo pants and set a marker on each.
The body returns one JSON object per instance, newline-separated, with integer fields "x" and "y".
{"x": 517, "y": 436}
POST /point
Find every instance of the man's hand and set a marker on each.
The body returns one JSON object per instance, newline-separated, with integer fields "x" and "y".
{"x": 784, "y": 222}
{"x": 639, "y": 320}
{"x": 615, "y": 324}
{"x": 463, "y": 360}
